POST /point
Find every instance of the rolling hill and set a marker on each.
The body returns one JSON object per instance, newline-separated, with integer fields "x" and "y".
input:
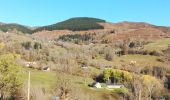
{"x": 17, "y": 27}
{"x": 112, "y": 31}
{"x": 75, "y": 24}
{"x": 1, "y": 23}
{"x": 83, "y": 25}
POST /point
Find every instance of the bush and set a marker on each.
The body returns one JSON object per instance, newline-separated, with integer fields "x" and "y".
{"x": 144, "y": 52}
{"x": 120, "y": 91}
{"x": 109, "y": 56}
{"x": 37, "y": 45}
{"x": 154, "y": 53}
{"x": 26, "y": 45}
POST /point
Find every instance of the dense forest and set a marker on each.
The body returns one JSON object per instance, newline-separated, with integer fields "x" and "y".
{"x": 75, "y": 24}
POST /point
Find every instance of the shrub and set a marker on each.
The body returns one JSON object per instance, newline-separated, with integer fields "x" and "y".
{"x": 154, "y": 53}
{"x": 26, "y": 45}
{"x": 109, "y": 56}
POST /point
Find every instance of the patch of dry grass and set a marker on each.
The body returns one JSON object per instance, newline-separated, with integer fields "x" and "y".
{"x": 158, "y": 45}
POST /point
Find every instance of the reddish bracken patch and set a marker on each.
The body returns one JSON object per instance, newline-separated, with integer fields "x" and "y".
{"x": 113, "y": 31}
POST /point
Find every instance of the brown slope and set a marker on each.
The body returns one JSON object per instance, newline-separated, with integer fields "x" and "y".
{"x": 143, "y": 33}
{"x": 122, "y": 30}
{"x": 164, "y": 29}
{"x": 50, "y": 35}
{"x": 126, "y": 26}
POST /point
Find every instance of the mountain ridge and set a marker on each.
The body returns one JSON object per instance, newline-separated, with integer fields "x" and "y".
{"x": 83, "y": 24}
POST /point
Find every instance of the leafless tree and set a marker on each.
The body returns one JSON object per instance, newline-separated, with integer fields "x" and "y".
{"x": 137, "y": 82}
{"x": 64, "y": 87}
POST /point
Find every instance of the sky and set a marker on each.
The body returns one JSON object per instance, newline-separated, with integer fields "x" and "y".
{"x": 46, "y": 12}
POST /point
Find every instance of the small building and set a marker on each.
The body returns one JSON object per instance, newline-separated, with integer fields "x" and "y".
{"x": 97, "y": 85}
{"x": 84, "y": 66}
{"x": 28, "y": 64}
{"x": 115, "y": 86}
{"x": 46, "y": 69}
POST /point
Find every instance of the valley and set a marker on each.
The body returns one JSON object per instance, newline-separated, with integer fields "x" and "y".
{"x": 78, "y": 59}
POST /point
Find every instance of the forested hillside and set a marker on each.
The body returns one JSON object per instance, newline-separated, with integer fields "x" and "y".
{"x": 75, "y": 24}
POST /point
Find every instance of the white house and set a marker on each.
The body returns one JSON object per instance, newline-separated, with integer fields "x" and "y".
{"x": 97, "y": 85}
{"x": 84, "y": 67}
{"x": 46, "y": 69}
{"x": 28, "y": 64}
{"x": 115, "y": 86}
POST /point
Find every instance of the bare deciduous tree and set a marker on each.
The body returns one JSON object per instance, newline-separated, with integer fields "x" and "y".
{"x": 64, "y": 87}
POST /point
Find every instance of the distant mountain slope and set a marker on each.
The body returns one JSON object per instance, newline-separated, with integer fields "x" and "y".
{"x": 83, "y": 25}
{"x": 138, "y": 25}
{"x": 75, "y": 24}
{"x": 133, "y": 25}
{"x": 21, "y": 28}
{"x": 115, "y": 31}
{"x": 142, "y": 33}
{"x": 126, "y": 26}
{"x": 164, "y": 29}
{"x": 2, "y": 23}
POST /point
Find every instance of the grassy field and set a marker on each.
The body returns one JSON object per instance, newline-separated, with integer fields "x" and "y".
{"x": 48, "y": 79}
{"x": 158, "y": 44}
{"x": 142, "y": 60}
{"x": 40, "y": 78}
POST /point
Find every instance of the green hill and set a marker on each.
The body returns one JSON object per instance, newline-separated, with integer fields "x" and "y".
{"x": 75, "y": 24}
{"x": 21, "y": 28}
